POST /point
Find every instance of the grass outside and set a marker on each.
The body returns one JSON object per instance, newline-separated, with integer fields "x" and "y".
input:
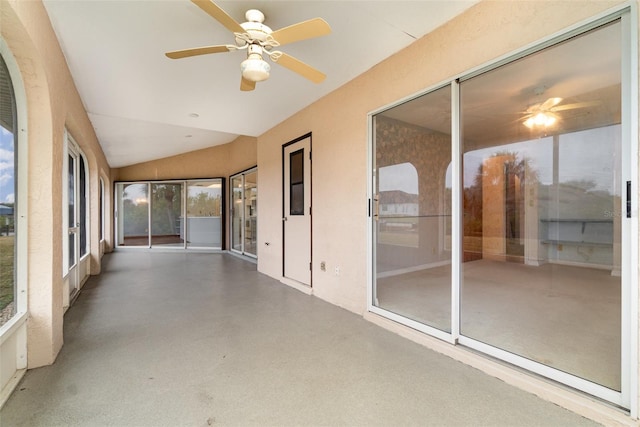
{"x": 7, "y": 244}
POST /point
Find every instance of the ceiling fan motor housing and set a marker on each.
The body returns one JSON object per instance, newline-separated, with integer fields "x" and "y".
{"x": 254, "y": 27}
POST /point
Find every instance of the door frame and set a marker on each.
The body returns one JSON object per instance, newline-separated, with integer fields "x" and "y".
{"x": 74, "y": 275}
{"x": 628, "y": 397}
{"x": 242, "y": 175}
{"x": 310, "y": 187}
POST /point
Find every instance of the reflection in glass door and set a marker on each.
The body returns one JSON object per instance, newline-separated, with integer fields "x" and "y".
{"x": 534, "y": 268}
{"x": 166, "y": 211}
{"x": 244, "y": 212}
{"x": 133, "y": 215}
{"x": 412, "y": 228}
{"x": 547, "y": 193}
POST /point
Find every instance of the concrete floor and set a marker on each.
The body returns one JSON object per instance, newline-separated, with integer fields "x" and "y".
{"x": 183, "y": 339}
{"x": 562, "y": 316}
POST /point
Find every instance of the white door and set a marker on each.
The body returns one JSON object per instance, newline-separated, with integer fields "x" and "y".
{"x": 73, "y": 223}
{"x": 296, "y": 219}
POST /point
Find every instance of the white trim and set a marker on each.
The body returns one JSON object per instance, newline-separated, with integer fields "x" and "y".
{"x": 370, "y": 235}
{"x": 630, "y": 327}
{"x": 412, "y": 269}
{"x": 545, "y": 370}
{"x": 8, "y": 329}
{"x": 421, "y": 327}
{"x": 65, "y": 205}
{"x": 456, "y": 210}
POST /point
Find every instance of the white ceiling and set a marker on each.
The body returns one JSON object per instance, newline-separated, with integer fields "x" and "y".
{"x": 142, "y": 104}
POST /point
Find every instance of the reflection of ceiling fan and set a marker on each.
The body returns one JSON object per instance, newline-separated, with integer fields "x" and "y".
{"x": 258, "y": 39}
{"x": 544, "y": 114}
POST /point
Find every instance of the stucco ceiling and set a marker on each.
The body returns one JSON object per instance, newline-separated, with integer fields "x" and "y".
{"x": 145, "y": 106}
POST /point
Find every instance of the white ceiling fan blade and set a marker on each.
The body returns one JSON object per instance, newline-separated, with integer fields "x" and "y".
{"x": 177, "y": 54}
{"x": 576, "y": 105}
{"x": 297, "y": 66}
{"x": 247, "y": 85}
{"x": 219, "y": 15}
{"x": 301, "y": 31}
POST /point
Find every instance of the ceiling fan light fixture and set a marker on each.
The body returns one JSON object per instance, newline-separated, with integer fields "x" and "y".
{"x": 540, "y": 119}
{"x": 255, "y": 69}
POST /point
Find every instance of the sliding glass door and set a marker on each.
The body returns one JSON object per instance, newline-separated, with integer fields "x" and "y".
{"x": 204, "y": 214}
{"x": 170, "y": 214}
{"x": 542, "y": 208}
{"x": 501, "y": 212}
{"x": 133, "y": 214}
{"x": 75, "y": 240}
{"x": 167, "y": 208}
{"x": 244, "y": 212}
{"x": 413, "y": 210}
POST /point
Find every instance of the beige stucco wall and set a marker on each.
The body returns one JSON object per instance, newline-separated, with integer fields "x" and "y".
{"x": 53, "y": 103}
{"x": 338, "y": 123}
{"x": 213, "y": 162}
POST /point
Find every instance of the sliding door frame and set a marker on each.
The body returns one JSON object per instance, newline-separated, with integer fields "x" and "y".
{"x": 628, "y": 396}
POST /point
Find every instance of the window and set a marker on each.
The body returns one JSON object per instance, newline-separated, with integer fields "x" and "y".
{"x": 8, "y": 185}
{"x": 297, "y": 183}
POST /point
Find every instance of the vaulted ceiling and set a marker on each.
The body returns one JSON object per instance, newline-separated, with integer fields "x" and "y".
{"x": 145, "y": 106}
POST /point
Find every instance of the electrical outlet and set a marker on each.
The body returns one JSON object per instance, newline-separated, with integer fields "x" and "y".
{"x": 336, "y": 270}
{"x": 323, "y": 266}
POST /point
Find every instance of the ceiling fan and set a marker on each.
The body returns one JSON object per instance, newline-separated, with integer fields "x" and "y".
{"x": 544, "y": 114}
{"x": 258, "y": 39}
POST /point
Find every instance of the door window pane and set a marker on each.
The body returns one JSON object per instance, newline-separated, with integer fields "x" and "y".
{"x": 82, "y": 220}
{"x": 204, "y": 213}
{"x": 251, "y": 212}
{"x": 71, "y": 203}
{"x": 413, "y": 228}
{"x": 72, "y": 191}
{"x": 134, "y": 215}
{"x": 236, "y": 212}
{"x": 166, "y": 211}
{"x": 296, "y": 182}
{"x": 542, "y": 200}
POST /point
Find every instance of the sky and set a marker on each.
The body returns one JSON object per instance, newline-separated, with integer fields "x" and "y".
{"x": 7, "y": 190}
